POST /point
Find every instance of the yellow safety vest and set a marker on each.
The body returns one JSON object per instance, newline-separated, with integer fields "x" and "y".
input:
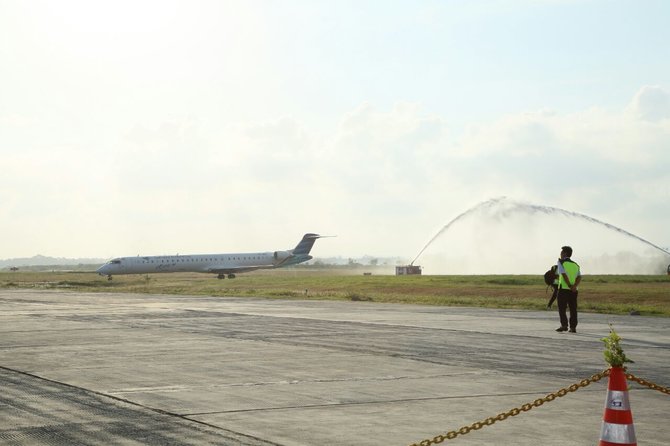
{"x": 572, "y": 270}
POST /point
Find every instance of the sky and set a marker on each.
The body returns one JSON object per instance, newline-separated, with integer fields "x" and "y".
{"x": 162, "y": 127}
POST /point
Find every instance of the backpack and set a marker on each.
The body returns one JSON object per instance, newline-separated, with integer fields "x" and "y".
{"x": 550, "y": 276}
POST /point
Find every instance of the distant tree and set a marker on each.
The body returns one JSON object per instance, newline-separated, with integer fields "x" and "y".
{"x": 374, "y": 262}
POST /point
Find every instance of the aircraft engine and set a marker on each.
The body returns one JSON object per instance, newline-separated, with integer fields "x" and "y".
{"x": 280, "y": 256}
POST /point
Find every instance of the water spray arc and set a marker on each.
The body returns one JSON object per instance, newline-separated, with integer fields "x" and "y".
{"x": 516, "y": 207}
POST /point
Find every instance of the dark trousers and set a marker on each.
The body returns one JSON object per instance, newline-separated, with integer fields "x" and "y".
{"x": 554, "y": 293}
{"x": 567, "y": 298}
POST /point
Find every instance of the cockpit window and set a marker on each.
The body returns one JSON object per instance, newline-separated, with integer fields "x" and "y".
{"x": 115, "y": 261}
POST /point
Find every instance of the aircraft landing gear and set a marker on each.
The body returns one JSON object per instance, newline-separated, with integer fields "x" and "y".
{"x": 109, "y": 277}
{"x": 221, "y": 276}
{"x": 231, "y": 276}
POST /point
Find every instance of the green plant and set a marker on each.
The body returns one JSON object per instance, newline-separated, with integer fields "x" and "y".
{"x": 613, "y": 353}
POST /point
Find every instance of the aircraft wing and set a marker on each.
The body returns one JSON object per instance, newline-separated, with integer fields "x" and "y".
{"x": 236, "y": 270}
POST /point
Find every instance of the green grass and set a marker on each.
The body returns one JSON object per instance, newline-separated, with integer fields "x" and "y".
{"x": 615, "y": 294}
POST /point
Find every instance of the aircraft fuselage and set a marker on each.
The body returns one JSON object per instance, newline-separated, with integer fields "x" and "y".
{"x": 220, "y": 264}
{"x": 187, "y": 263}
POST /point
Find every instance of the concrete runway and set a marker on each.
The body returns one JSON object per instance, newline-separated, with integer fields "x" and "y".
{"x": 133, "y": 369}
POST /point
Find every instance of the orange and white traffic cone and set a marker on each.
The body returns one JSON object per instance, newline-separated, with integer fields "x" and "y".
{"x": 618, "y": 428}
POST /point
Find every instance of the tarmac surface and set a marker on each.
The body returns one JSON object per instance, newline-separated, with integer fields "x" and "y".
{"x": 135, "y": 369}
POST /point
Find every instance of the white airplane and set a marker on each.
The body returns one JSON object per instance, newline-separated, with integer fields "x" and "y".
{"x": 221, "y": 264}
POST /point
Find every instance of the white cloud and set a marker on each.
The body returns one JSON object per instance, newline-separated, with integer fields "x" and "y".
{"x": 604, "y": 160}
{"x": 525, "y": 134}
{"x": 589, "y": 135}
{"x": 651, "y": 103}
{"x": 383, "y": 180}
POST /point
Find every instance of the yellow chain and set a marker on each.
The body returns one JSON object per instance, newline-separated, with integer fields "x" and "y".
{"x": 516, "y": 411}
{"x": 649, "y": 384}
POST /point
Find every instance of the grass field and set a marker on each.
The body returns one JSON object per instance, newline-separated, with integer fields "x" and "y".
{"x": 649, "y": 295}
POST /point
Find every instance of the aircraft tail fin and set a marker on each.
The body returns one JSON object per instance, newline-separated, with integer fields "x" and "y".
{"x": 305, "y": 245}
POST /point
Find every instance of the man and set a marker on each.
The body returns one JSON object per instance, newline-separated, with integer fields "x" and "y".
{"x": 553, "y": 280}
{"x": 569, "y": 277}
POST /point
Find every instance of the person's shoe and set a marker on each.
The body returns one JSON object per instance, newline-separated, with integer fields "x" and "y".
{"x": 559, "y": 329}
{"x": 573, "y": 330}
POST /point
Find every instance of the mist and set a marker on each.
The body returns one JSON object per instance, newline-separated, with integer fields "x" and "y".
{"x": 502, "y": 236}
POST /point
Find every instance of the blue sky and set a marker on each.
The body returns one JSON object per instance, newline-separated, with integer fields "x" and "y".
{"x": 162, "y": 127}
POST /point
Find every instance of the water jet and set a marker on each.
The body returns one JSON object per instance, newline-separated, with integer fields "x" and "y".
{"x": 499, "y": 220}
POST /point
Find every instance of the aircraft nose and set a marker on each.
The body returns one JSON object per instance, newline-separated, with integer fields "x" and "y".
{"x": 102, "y": 270}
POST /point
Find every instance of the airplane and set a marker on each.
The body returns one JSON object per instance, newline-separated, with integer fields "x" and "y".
{"x": 220, "y": 264}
